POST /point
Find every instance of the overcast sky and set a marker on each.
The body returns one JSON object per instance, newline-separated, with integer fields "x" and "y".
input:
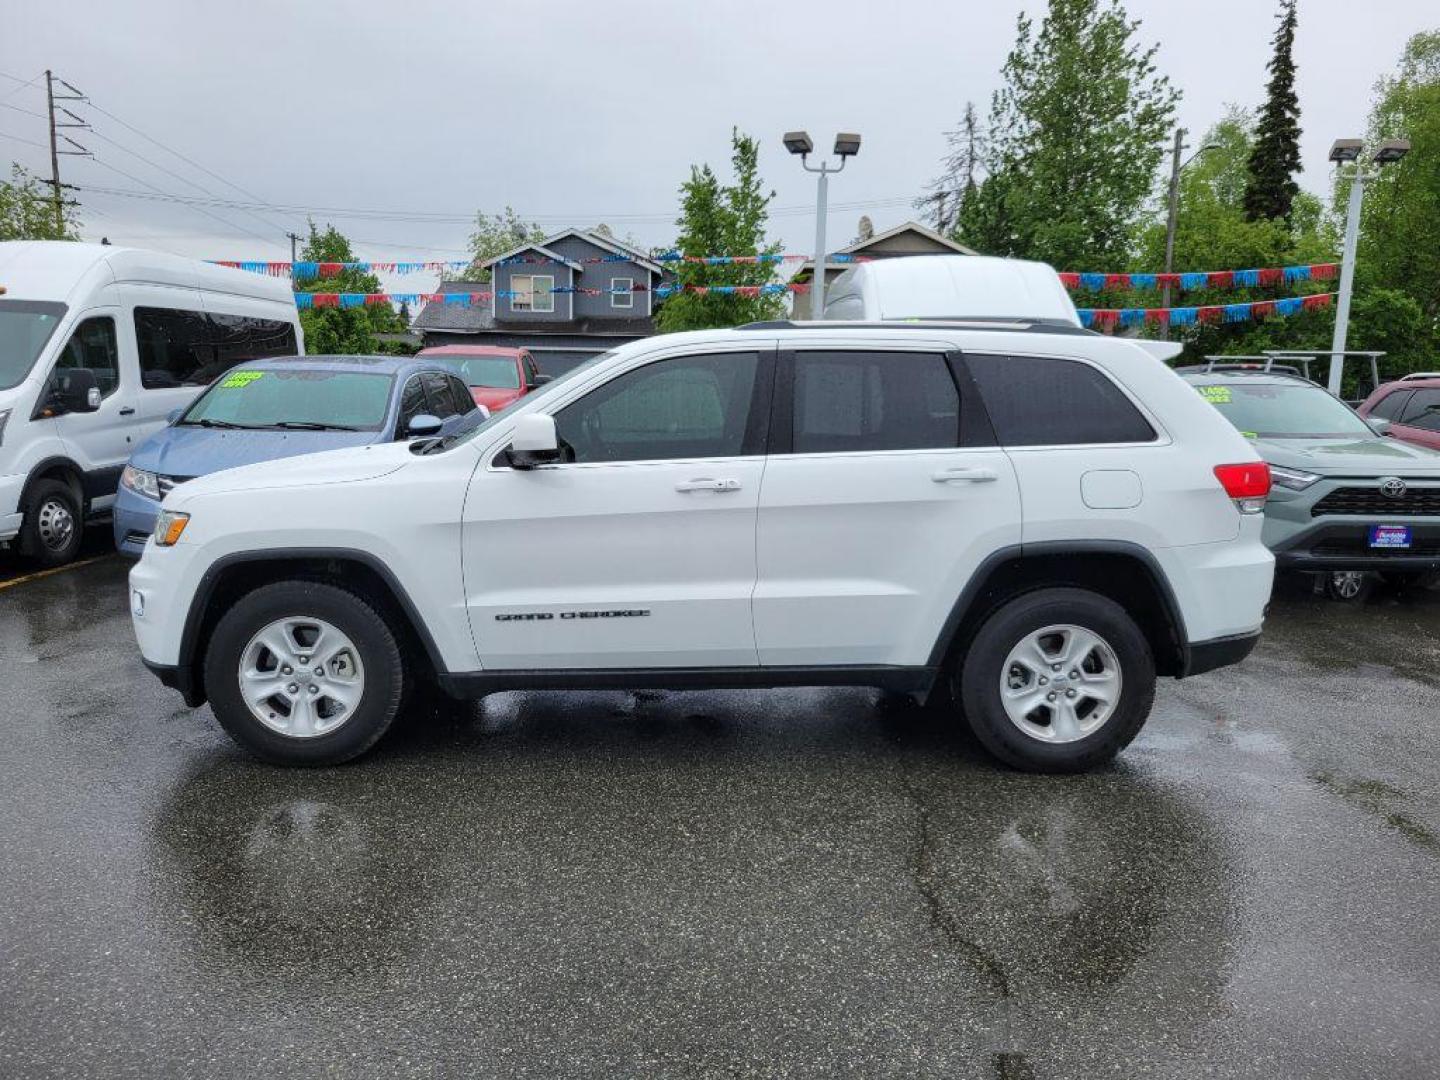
{"x": 580, "y": 112}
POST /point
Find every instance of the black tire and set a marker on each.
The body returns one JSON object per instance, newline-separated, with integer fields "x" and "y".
{"x": 980, "y": 671}
{"x": 352, "y": 615}
{"x": 44, "y": 535}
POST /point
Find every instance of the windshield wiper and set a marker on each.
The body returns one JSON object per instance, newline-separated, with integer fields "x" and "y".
{"x": 206, "y": 422}
{"x": 312, "y": 425}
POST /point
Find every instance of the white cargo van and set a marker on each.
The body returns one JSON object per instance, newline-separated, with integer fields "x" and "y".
{"x": 98, "y": 345}
{"x": 929, "y": 287}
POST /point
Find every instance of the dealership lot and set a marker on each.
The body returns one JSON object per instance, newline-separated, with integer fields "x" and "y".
{"x": 782, "y": 883}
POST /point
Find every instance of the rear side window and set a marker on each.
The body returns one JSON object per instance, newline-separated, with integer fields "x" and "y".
{"x": 1390, "y": 406}
{"x": 1040, "y": 401}
{"x": 192, "y": 348}
{"x": 870, "y": 401}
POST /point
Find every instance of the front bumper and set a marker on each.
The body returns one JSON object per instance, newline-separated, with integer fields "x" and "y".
{"x": 11, "y": 488}
{"x": 134, "y": 521}
{"x": 1344, "y": 544}
{"x": 178, "y": 678}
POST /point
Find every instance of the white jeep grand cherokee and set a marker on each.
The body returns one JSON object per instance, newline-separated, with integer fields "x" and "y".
{"x": 1024, "y": 522}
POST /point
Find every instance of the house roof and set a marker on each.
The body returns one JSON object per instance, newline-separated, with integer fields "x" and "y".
{"x": 860, "y": 247}
{"x": 461, "y": 318}
{"x": 540, "y": 247}
{"x": 608, "y": 243}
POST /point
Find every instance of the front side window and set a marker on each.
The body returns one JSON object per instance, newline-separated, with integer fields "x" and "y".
{"x": 1043, "y": 401}
{"x": 532, "y": 292}
{"x": 1423, "y": 410}
{"x": 25, "y": 329}
{"x": 437, "y": 389}
{"x": 621, "y": 292}
{"x": 1391, "y": 405}
{"x": 1289, "y": 411}
{"x": 871, "y": 401}
{"x": 92, "y": 345}
{"x": 280, "y": 399}
{"x": 684, "y": 407}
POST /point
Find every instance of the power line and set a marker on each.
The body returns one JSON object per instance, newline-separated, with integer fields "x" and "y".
{"x": 201, "y": 209}
{"x": 17, "y": 138}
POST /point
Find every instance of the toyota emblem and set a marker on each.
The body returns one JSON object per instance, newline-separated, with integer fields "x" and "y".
{"x": 1392, "y": 487}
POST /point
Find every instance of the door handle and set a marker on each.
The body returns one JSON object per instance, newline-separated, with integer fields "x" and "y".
{"x": 972, "y": 475}
{"x": 706, "y": 484}
{"x": 127, "y": 411}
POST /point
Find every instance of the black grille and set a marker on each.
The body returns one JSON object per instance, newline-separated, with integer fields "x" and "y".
{"x": 1416, "y": 502}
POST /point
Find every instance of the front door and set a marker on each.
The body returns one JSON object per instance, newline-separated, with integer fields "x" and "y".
{"x": 101, "y": 441}
{"x": 638, "y": 551}
{"x": 883, "y": 494}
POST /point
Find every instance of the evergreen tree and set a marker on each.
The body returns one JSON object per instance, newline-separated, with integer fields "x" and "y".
{"x": 1076, "y": 133}
{"x": 1275, "y": 159}
{"x": 722, "y": 219}
{"x": 956, "y": 184}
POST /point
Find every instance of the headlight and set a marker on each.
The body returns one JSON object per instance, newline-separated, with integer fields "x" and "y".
{"x": 4, "y": 416}
{"x": 169, "y": 527}
{"x": 141, "y": 482}
{"x": 1294, "y": 479}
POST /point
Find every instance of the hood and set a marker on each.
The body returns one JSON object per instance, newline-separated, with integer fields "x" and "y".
{"x": 197, "y": 451}
{"x": 494, "y": 398}
{"x": 1378, "y": 456}
{"x": 333, "y": 467}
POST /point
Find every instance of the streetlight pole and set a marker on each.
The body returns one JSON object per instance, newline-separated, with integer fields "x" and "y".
{"x": 846, "y": 146}
{"x": 1170, "y": 219}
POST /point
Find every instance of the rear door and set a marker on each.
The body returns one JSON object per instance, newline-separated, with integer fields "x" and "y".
{"x": 638, "y": 551}
{"x": 883, "y": 493}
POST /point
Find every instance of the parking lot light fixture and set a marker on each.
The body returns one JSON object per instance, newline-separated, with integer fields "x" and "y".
{"x": 847, "y": 145}
{"x": 1346, "y": 150}
{"x": 1391, "y": 151}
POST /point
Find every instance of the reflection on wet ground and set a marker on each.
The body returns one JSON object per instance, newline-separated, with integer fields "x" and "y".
{"x": 789, "y": 883}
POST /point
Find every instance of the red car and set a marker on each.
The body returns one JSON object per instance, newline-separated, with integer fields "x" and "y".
{"x": 1412, "y": 406}
{"x": 497, "y": 377}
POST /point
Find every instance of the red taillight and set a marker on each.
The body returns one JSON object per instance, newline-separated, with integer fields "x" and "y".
{"x": 1248, "y": 481}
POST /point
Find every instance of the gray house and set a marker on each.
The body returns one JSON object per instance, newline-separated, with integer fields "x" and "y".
{"x": 534, "y": 304}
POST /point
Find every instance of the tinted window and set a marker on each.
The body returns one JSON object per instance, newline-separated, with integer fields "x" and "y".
{"x": 192, "y": 348}
{"x": 1390, "y": 406}
{"x": 437, "y": 389}
{"x": 1423, "y": 410}
{"x": 25, "y": 328}
{"x": 863, "y": 401}
{"x": 412, "y": 404}
{"x": 92, "y": 345}
{"x": 464, "y": 402}
{"x": 1038, "y": 401}
{"x": 269, "y": 398}
{"x": 689, "y": 406}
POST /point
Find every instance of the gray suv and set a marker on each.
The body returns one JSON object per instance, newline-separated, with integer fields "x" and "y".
{"x": 1345, "y": 499}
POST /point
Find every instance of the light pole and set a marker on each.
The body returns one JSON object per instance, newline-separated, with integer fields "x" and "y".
{"x": 846, "y": 146}
{"x": 1176, "y": 167}
{"x": 1347, "y": 152}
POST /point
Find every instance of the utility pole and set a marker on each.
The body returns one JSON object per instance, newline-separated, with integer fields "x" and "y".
{"x": 1170, "y": 220}
{"x": 293, "y": 240}
{"x": 55, "y": 152}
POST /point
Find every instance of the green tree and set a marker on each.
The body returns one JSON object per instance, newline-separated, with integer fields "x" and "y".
{"x": 1076, "y": 134}
{"x": 343, "y": 330}
{"x": 1275, "y": 155}
{"x": 495, "y": 234}
{"x": 723, "y": 219}
{"x": 957, "y": 183}
{"x": 27, "y": 209}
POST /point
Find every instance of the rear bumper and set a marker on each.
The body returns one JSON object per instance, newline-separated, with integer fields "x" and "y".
{"x": 1203, "y": 656}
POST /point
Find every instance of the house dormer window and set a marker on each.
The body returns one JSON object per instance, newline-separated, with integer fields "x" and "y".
{"x": 622, "y": 293}
{"x": 532, "y": 292}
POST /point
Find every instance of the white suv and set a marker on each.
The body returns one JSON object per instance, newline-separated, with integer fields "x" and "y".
{"x": 1025, "y": 523}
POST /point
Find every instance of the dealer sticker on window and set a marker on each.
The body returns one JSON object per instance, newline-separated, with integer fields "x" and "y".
{"x": 1389, "y": 536}
{"x": 237, "y": 380}
{"x": 1216, "y": 395}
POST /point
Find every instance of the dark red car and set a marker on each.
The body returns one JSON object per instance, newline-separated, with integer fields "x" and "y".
{"x": 1412, "y": 406}
{"x": 497, "y": 376}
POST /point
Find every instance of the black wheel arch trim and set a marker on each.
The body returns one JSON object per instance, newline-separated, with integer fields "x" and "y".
{"x": 972, "y": 593}
{"x": 56, "y": 461}
{"x": 200, "y": 602}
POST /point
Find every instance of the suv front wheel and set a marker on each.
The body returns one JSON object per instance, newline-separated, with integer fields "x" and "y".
{"x": 1057, "y": 680}
{"x": 304, "y": 673}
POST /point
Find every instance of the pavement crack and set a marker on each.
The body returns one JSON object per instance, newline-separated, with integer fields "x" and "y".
{"x": 926, "y": 877}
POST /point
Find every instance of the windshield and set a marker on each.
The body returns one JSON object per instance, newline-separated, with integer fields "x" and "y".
{"x": 1271, "y": 411}
{"x": 25, "y": 327}
{"x": 545, "y": 392}
{"x": 271, "y": 398}
{"x": 497, "y": 372}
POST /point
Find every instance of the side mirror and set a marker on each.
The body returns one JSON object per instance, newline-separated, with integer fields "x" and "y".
{"x": 541, "y": 379}
{"x": 1380, "y": 427}
{"x": 75, "y": 390}
{"x": 173, "y": 415}
{"x": 423, "y": 425}
{"x": 534, "y": 442}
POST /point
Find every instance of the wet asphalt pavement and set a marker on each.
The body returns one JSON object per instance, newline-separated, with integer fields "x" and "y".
{"x": 791, "y": 883}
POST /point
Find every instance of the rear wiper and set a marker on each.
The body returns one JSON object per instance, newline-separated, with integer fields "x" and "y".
{"x": 312, "y": 425}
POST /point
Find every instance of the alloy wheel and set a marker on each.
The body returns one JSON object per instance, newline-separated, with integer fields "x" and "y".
{"x": 301, "y": 677}
{"x": 1060, "y": 683}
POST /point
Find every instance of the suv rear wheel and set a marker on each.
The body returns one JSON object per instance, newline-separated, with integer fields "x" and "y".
{"x": 1057, "y": 680}
{"x": 303, "y": 673}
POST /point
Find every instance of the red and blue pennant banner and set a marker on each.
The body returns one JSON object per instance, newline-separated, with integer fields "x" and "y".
{"x": 309, "y": 271}
{"x": 306, "y": 301}
{"x": 1114, "y": 318}
{"x": 1202, "y": 279}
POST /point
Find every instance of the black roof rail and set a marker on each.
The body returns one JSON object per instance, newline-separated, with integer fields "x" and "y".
{"x": 1016, "y": 325}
